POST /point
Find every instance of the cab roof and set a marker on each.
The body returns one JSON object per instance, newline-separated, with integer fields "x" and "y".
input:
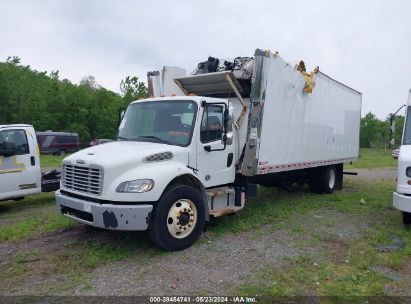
{"x": 15, "y": 126}
{"x": 196, "y": 99}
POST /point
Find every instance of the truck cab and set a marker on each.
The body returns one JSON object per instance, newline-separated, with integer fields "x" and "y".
{"x": 402, "y": 197}
{"x": 169, "y": 152}
{"x": 20, "y": 173}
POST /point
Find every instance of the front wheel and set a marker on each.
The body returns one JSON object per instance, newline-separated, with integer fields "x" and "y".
{"x": 178, "y": 218}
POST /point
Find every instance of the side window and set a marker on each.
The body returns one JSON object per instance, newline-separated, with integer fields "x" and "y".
{"x": 211, "y": 124}
{"x": 16, "y": 139}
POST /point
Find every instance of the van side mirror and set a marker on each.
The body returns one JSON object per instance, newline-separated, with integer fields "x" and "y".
{"x": 8, "y": 149}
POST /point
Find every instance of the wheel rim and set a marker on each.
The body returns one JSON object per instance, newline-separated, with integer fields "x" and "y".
{"x": 331, "y": 180}
{"x": 182, "y": 218}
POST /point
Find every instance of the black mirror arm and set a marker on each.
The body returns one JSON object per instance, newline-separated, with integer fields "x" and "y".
{"x": 226, "y": 119}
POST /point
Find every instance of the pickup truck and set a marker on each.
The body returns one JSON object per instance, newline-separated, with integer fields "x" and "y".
{"x": 20, "y": 173}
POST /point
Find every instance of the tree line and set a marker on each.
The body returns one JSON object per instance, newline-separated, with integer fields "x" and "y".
{"x": 376, "y": 133}
{"x": 49, "y": 103}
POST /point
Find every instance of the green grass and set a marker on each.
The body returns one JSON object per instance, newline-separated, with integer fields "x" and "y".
{"x": 275, "y": 205}
{"x": 330, "y": 277}
{"x": 272, "y": 208}
{"x": 374, "y": 158}
{"x": 30, "y": 217}
{"x": 51, "y": 161}
{"x": 278, "y": 209}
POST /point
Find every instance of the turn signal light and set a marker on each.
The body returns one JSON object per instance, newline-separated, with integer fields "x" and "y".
{"x": 409, "y": 182}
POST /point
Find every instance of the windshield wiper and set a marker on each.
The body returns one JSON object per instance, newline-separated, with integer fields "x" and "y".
{"x": 155, "y": 137}
{"x": 122, "y": 138}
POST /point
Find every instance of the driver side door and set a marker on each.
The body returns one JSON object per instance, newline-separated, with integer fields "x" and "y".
{"x": 214, "y": 167}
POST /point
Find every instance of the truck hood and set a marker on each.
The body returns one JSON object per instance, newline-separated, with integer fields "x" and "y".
{"x": 124, "y": 154}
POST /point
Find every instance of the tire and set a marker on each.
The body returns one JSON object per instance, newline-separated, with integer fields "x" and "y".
{"x": 406, "y": 218}
{"x": 329, "y": 181}
{"x": 167, "y": 230}
{"x": 323, "y": 179}
{"x": 62, "y": 152}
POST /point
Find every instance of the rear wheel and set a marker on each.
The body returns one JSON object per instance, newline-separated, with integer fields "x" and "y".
{"x": 178, "y": 218}
{"x": 62, "y": 152}
{"x": 406, "y": 218}
{"x": 329, "y": 179}
{"x": 323, "y": 179}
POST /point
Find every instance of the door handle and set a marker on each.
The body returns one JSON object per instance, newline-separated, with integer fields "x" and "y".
{"x": 32, "y": 160}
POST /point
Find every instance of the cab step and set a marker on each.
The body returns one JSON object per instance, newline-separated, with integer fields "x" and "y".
{"x": 221, "y": 201}
{"x": 224, "y": 211}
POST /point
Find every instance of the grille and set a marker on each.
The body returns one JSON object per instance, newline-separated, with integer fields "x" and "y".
{"x": 82, "y": 179}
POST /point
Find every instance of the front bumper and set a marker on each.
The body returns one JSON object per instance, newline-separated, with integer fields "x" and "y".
{"x": 108, "y": 216}
{"x": 401, "y": 202}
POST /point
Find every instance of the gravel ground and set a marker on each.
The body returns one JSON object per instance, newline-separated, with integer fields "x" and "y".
{"x": 217, "y": 264}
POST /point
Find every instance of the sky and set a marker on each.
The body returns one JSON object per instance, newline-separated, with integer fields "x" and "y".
{"x": 364, "y": 44}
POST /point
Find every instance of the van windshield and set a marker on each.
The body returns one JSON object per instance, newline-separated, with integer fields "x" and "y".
{"x": 168, "y": 122}
{"x": 407, "y": 129}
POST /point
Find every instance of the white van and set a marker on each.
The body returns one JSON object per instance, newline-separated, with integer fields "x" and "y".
{"x": 402, "y": 198}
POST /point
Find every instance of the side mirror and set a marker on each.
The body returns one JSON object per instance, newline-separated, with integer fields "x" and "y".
{"x": 9, "y": 149}
{"x": 226, "y": 120}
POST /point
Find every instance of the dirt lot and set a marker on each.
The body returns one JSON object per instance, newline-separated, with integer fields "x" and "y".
{"x": 282, "y": 243}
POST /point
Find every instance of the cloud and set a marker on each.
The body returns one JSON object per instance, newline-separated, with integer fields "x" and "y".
{"x": 365, "y": 44}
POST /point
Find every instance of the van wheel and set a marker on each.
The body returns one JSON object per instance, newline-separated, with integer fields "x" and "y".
{"x": 62, "y": 152}
{"x": 178, "y": 218}
{"x": 406, "y": 218}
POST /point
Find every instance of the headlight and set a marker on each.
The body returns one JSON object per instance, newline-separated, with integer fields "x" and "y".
{"x": 408, "y": 172}
{"x": 136, "y": 186}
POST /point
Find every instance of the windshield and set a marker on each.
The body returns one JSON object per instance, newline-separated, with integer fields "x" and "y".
{"x": 407, "y": 129}
{"x": 169, "y": 122}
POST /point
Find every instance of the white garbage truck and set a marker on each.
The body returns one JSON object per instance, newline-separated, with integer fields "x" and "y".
{"x": 200, "y": 145}
{"x": 402, "y": 198}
